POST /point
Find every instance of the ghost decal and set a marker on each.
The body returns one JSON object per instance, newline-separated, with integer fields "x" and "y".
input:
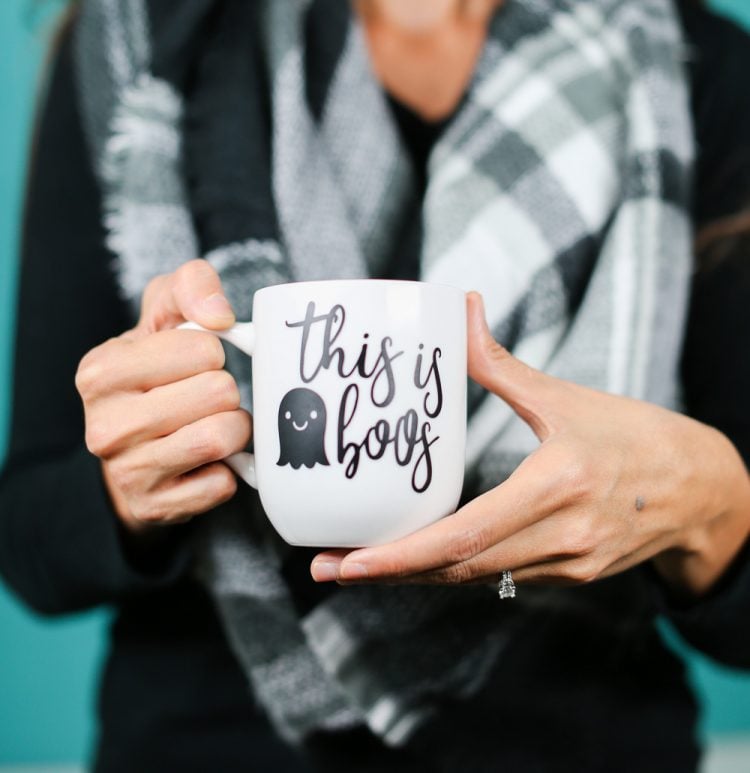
{"x": 302, "y": 425}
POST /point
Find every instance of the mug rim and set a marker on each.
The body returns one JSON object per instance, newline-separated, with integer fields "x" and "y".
{"x": 365, "y": 281}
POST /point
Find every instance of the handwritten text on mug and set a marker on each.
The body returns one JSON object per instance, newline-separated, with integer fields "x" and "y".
{"x": 409, "y": 438}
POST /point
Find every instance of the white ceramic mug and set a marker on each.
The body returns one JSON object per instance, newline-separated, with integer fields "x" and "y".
{"x": 359, "y": 407}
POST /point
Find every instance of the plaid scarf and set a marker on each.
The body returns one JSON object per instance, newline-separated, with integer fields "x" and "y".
{"x": 559, "y": 189}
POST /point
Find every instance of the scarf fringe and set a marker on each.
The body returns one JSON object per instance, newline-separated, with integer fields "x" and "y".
{"x": 145, "y": 127}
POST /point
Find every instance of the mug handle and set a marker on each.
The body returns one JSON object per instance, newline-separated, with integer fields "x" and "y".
{"x": 241, "y": 335}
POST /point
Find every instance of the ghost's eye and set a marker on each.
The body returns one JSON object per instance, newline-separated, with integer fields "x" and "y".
{"x": 313, "y": 414}
{"x": 288, "y": 415}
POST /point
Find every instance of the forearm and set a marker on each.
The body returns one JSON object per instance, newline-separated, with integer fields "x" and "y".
{"x": 61, "y": 546}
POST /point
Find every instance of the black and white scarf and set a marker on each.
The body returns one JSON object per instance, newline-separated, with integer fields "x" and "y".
{"x": 559, "y": 190}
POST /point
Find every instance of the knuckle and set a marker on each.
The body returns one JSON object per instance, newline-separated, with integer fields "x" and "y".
{"x": 208, "y": 351}
{"x": 152, "y": 511}
{"x": 246, "y": 421}
{"x": 583, "y": 571}
{"x": 123, "y": 476}
{"x": 183, "y": 281}
{"x": 497, "y": 353}
{"x": 99, "y": 438}
{"x": 155, "y": 285}
{"x": 223, "y": 387}
{"x": 196, "y": 268}
{"x": 224, "y": 485}
{"x": 205, "y": 444}
{"x": 90, "y": 373}
{"x": 465, "y": 545}
{"x": 580, "y": 538}
{"x": 94, "y": 440}
{"x": 459, "y": 573}
{"x": 579, "y": 476}
{"x": 153, "y": 289}
{"x": 191, "y": 274}
{"x": 152, "y": 315}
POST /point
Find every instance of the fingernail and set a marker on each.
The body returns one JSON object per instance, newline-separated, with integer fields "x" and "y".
{"x": 324, "y": 571}
{"x": 218, "y": 306}
{"x": 353, "y": 572}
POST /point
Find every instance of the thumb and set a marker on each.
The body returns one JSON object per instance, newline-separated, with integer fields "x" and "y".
{"x": 191, "y": 293}
{"x": 533, "y": 395}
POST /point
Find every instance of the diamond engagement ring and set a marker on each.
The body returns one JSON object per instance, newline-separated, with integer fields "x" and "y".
{"x": 506, "y": 589}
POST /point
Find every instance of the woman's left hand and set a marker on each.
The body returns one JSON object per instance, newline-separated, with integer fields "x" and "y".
{"x": 614, "y": 482}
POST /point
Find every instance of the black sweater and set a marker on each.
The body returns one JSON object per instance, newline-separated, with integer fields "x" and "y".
{"x": 172, "y": 695}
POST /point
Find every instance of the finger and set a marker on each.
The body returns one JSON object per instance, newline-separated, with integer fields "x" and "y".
{"x": 554, "y": 574}
{"x": 128, "y": 419}
{"x": 562, "y": 571}
{"x": 549, "y": 550}
{"x": 189, "y": 495}
{"x": 122, "y": 364}
{"x": 425, "y": 578}
{"x": 530, "y": 393}
{"x": 549, "y": 482}
{"x": 559, "y": 550}
{"x": 551, "y": 538}
{"x": 483, "y": 522}
{"x": 145, "y": 468}
{"x": 193, "y": 292}
{"x": 207, "y": 440}
{"x": 326, "y": 565}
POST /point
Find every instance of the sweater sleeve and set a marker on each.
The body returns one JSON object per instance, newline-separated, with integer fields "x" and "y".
{"x": 61, "y": 545}
{"x": 716, "y": 357}
{"x": 716, "y": 366}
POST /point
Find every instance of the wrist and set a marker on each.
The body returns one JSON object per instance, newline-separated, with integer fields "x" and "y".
{"x": 718, "y": 524}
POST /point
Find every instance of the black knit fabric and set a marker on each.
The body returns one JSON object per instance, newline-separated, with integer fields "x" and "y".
{"x": 566, "y": 697}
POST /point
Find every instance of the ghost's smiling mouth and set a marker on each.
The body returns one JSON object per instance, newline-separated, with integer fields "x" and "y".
{"x": 299, "y": 429}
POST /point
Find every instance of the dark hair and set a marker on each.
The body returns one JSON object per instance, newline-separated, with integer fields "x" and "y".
{"x": 723, "y": 238}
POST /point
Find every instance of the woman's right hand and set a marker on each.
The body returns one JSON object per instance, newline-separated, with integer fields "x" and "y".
{"x": 160, "y": 411}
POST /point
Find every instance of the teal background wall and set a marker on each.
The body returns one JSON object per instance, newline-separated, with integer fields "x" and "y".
{"x": 48, "y": 667}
